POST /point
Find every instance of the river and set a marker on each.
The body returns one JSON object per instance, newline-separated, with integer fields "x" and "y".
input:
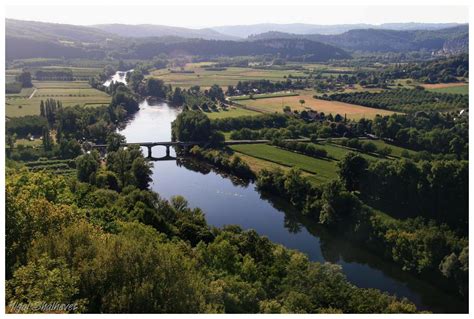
{"x": 227, "y": 202}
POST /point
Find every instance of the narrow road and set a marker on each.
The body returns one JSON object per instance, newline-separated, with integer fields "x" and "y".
{"x": 32, "y": 94}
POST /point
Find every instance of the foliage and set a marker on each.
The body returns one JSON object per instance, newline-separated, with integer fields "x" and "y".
{"x": 227, "y": 270}
{"x": 231, "y": 164}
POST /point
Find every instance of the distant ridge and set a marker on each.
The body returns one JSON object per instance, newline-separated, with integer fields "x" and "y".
{"x": 450, "y": 40}
{"x": 152, "y": 30}
{"x": 243, "y": 31}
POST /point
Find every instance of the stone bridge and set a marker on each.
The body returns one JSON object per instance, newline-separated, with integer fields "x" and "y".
{"x": 186, "y": 145}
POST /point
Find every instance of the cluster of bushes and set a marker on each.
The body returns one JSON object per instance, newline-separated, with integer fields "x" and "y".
{"x": 417, "y": 245}
{"x": 195, "y": 126}
{"x": 124, "y": 167}
{"x": 438, "y": 133}
{"x": 13, "y": 87}
{"x": 24, "y": 125}
{"x": 309, "y": 149}
{"x": 195, "y": 99}
{"x": 251, "y": 122}
{"x": 366, "y": 147}
{"x": 230, "y": 164}
{"x": 264, "y": 86}
{"x": 64, "y": 149}
{"x": 296, "y": 129}
{"x": 54, "y": 75}
{"x": 403, "y": 100}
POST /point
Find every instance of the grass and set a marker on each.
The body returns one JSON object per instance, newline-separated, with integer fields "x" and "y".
{"x": 454, "y": 89}
{"x": 263, "y": 96}
{"x": 230, "y": 112}
{"x": 61, "y": 84}
{"x": 27, "y": 142}
{"x": 318, "y": 170}
{"x": 230, "y": 76}
{"x": 25, "y": 92}
{"x": 323, "y": 170}
{"x": 396, "y": 150}
{"x": 271, "y": 105}
{"x": 68, "y": 92}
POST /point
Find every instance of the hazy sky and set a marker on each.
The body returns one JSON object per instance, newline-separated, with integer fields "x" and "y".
{"x": 204, "y": 16}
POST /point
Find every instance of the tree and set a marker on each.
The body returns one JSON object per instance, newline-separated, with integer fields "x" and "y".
{"x": 338, "y": 205}
{"x": 42, "y": 110}
{"x": 107, "y": 179}
{"x": 352, "y": 169}
{"x": 69, "y": 149}
{"x": 191, "y": 126}
{"x": 302, "y": 102}
{"x": 369, "y": 147}
{"x": 45, "y": 280}
{"x": 119, "y": 163}
{"x": 134, "y": 79}
{"x": 156, "y": 88}
{"x": 215, "y": 93}
{"x": 141, "y": 172}
{"x": 25, "y": 79}
{"x": 178, "y": 97}
{"x": 115, "y": 141}
{"x": 86, "y": 166}
{"x": 47, "y": 142}
{"x": 10, "y": 140}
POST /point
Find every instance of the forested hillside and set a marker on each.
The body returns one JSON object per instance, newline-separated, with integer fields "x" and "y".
{"x": 454, "y": 39}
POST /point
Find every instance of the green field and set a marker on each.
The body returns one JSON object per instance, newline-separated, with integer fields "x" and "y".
{"x": 25, "y": 92}
{"x": 79, "y": 73}
{"x": 230, "y": 76}
{"x": 396, "y": 150}
{"x": 324, "y": 170}
{"x": 464, "y": 89}
{"x": 318, "y": 170}
{"x": 230, "y": 112}
{"x": 262, "y": 96}
{"x": 26, "y": 142}
{"x": 69, "y": 93}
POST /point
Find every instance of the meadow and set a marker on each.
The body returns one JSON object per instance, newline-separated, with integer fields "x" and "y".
{"x": 200, "y": 74}
{"x": 318, "y": 170}
{"x": 453, "y": 88}
{"x": 232, "y": 111}
{"x": 79, "y": 73}
{"x": 321, "y": 170}
{"x": 262, "y": 96}
{"x": 271, "y": 105}
{"x": 69, "y": 93}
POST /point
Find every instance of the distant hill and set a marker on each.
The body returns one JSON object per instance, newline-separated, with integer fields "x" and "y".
{"x": 29, "y": 39}
{"x": 152, "y": 30}
{"x": 243, "y": 31}
{"x": 291, "y": 49}
{"x": 26, "y": 39}
{"x": 54, "y": 31}
{"x": 451, "y": 40}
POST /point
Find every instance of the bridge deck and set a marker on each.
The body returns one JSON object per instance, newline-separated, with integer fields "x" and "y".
{"x": 229, "y": 142}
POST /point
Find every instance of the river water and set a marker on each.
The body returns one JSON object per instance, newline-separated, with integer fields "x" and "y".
{"x": 119, "y": 76}
{"x": 227, "y": 202}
